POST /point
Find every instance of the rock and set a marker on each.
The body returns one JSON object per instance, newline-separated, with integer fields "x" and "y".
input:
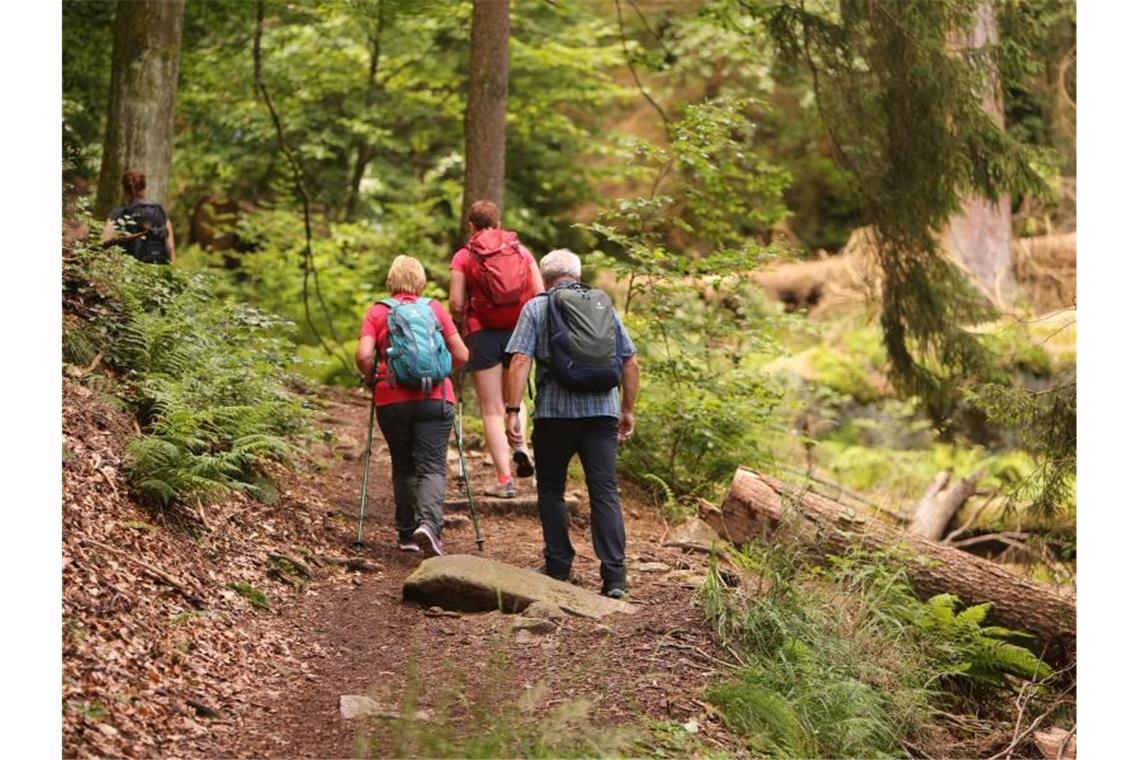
{"x": 353, "y": 706}
{"x": 441, "y": 612}
{"x": 535, "y": 625}
{"x": 686, "y": 578}
{"x": 451, "y": 522}
{"x": 545, "y": 610}
{"x": 525, "y": 637}
{"x": 475, "y": 584}
{"x": 650, "y": 567}
{"x": 694, "y": 533}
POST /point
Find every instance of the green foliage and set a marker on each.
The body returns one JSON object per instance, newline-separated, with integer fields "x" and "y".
{"x": 965, "y": 647}
{"x": 845, "y": 661}
{"x": 255, "y": 596}
{"x": 1047, "y": 423}
{"x": 489, "y": 724}
{"x": 702, "y": 409}
{"x": 205, "y": 378}
{"x": 905, "y": 112}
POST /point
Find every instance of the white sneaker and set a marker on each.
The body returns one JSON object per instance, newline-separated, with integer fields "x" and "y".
{"x": 427, "y": 542}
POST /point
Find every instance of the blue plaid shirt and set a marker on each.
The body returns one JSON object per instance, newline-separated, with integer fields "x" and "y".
{"x": 532, "y": 339}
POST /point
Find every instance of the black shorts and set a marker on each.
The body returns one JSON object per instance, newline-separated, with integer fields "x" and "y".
{"x": 488, "y": 348}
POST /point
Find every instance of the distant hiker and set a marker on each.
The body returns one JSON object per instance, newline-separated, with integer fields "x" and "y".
{"x": 584, "y": 354}
{"x": 406, "y": 350}
{"x": 492, "y": 277}
{"x": 140, "y": 227}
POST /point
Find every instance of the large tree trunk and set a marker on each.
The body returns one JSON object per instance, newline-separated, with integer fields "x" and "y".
{"x": 979, "y": 237}
{"x": 144, "y": 82}
{"x": 485, "y": 122}
{"x": 756, "y": 503}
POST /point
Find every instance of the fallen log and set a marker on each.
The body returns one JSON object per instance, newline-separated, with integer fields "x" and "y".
{"x": 756, "y": 504}
{"x": 940, "y": 503}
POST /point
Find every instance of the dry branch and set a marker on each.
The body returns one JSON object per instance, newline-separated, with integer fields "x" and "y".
{"x": 157, "y": 573}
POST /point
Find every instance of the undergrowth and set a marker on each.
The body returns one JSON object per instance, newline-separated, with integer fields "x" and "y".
{"x": 844, "y": 661}
{"x": 205, "y": 379}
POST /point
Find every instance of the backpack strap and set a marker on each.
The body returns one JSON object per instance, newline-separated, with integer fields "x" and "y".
{"x": 391, "y": 303}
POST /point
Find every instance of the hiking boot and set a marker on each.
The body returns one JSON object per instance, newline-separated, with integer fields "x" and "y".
{"x": 502, "y": 490}
{"x": 616, "y": 590}
{"x": 406, "y": 544}
{"x": 427, "y": 542}
{"x": 556, "y": 576}
{"x": 524, "y": 468}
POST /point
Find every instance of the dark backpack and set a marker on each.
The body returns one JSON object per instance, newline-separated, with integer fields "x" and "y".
{"x": 416, "y": 355}
{"x": 500, "y": 283}
{"x": 583, "y": 327}
{"x": 149, "y": 218}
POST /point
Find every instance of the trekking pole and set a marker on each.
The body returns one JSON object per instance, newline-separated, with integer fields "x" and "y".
{"x": 467, "y": 483}
{"x": 358, "y": 544}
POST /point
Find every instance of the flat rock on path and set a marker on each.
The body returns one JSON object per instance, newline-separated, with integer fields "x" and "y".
{"x": 476, "y": 584}
{"x": 694, "y": 533}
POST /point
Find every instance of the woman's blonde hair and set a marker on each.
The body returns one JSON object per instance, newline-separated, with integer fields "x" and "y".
{"x": 406, "y": 275}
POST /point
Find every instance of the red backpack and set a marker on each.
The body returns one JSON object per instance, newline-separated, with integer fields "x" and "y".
{"x": 500, "y": 279}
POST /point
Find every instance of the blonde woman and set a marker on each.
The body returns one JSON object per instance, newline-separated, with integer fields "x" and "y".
{"x": 416, "y": 421}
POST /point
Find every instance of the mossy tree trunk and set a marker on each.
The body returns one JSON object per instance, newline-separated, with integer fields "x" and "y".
{"x": 757, "y": 503}
{"x": 144, "y": 82}
{"x": 485, "y": 121}
{"x": 979, "y": 236}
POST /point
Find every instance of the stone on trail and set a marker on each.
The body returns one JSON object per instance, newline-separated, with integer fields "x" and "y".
{"x": 545, "y": 610}
{"x": 452, "y": 522}
{"x": 475, "y": 584}
{"x": 535, "y": 625}
{"x": 353, "y": 706}
{"x": 694, "y": 533}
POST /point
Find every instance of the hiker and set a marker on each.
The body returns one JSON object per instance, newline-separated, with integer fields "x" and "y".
{"x": 406, "y": 350}
{"x": 583, "y": 354}
{"x": 492, "y": 277}
{"x": 139, "y": 226}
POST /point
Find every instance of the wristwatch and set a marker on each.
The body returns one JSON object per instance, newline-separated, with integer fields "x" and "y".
{"x": 513, "y": 409}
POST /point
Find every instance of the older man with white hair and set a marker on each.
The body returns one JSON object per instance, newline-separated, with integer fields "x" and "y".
{"x": 572, "y": 415}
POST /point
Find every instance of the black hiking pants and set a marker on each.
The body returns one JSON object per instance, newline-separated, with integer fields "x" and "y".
{"x": 594, "y": 440}
{"x": 417, "y": 433}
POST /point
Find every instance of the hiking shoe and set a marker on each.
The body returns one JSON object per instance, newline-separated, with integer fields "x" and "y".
{"x": 427, "y": 542}
{"x": 524, "y": 468}
{"x": 406, "y": 544}
{"x": 502, "y": 490}
{"x": 615, "y": 590}
{"x": 556, "y": 576}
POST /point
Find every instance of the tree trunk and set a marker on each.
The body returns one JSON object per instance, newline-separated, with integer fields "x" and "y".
{"x": 939, "y": 505}
{"x": 979, "y": 236}
{"x": 485, "y": 121}
{"x": 756, "y": 503}
{"x": 144, "y": 82}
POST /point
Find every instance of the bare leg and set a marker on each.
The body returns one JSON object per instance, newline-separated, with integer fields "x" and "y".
{"x": 489, "y": 390}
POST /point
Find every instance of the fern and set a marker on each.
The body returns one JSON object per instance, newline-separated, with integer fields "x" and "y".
{"x": 204, "y": 377}
{"x": 967, "y": 648}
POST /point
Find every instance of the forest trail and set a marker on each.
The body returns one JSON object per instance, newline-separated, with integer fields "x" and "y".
{"x": 352, "y": 633}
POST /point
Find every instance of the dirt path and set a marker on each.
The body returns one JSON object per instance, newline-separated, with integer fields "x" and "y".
{"x": 352, "y": 634}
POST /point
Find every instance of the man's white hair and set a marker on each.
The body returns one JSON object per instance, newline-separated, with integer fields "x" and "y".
{"x": 560, "y": 263}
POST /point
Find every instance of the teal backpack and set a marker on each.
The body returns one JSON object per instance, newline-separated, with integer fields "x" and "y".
{"x": 416, "y": 355}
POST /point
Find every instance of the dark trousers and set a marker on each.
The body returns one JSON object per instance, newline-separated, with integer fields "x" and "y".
{"x": 594, "y": 440}
{"x": 417, "y": 433}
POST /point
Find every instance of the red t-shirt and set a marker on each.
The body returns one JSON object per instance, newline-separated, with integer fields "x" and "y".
{"x": 376, "y": 325}
{"x": 464, "y": 261}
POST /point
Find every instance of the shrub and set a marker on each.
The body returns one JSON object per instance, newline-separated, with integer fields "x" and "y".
{"x": 845, "y": 661}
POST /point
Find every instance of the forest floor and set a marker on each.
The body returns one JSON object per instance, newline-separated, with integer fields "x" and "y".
{"x": 202, "y": 672}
